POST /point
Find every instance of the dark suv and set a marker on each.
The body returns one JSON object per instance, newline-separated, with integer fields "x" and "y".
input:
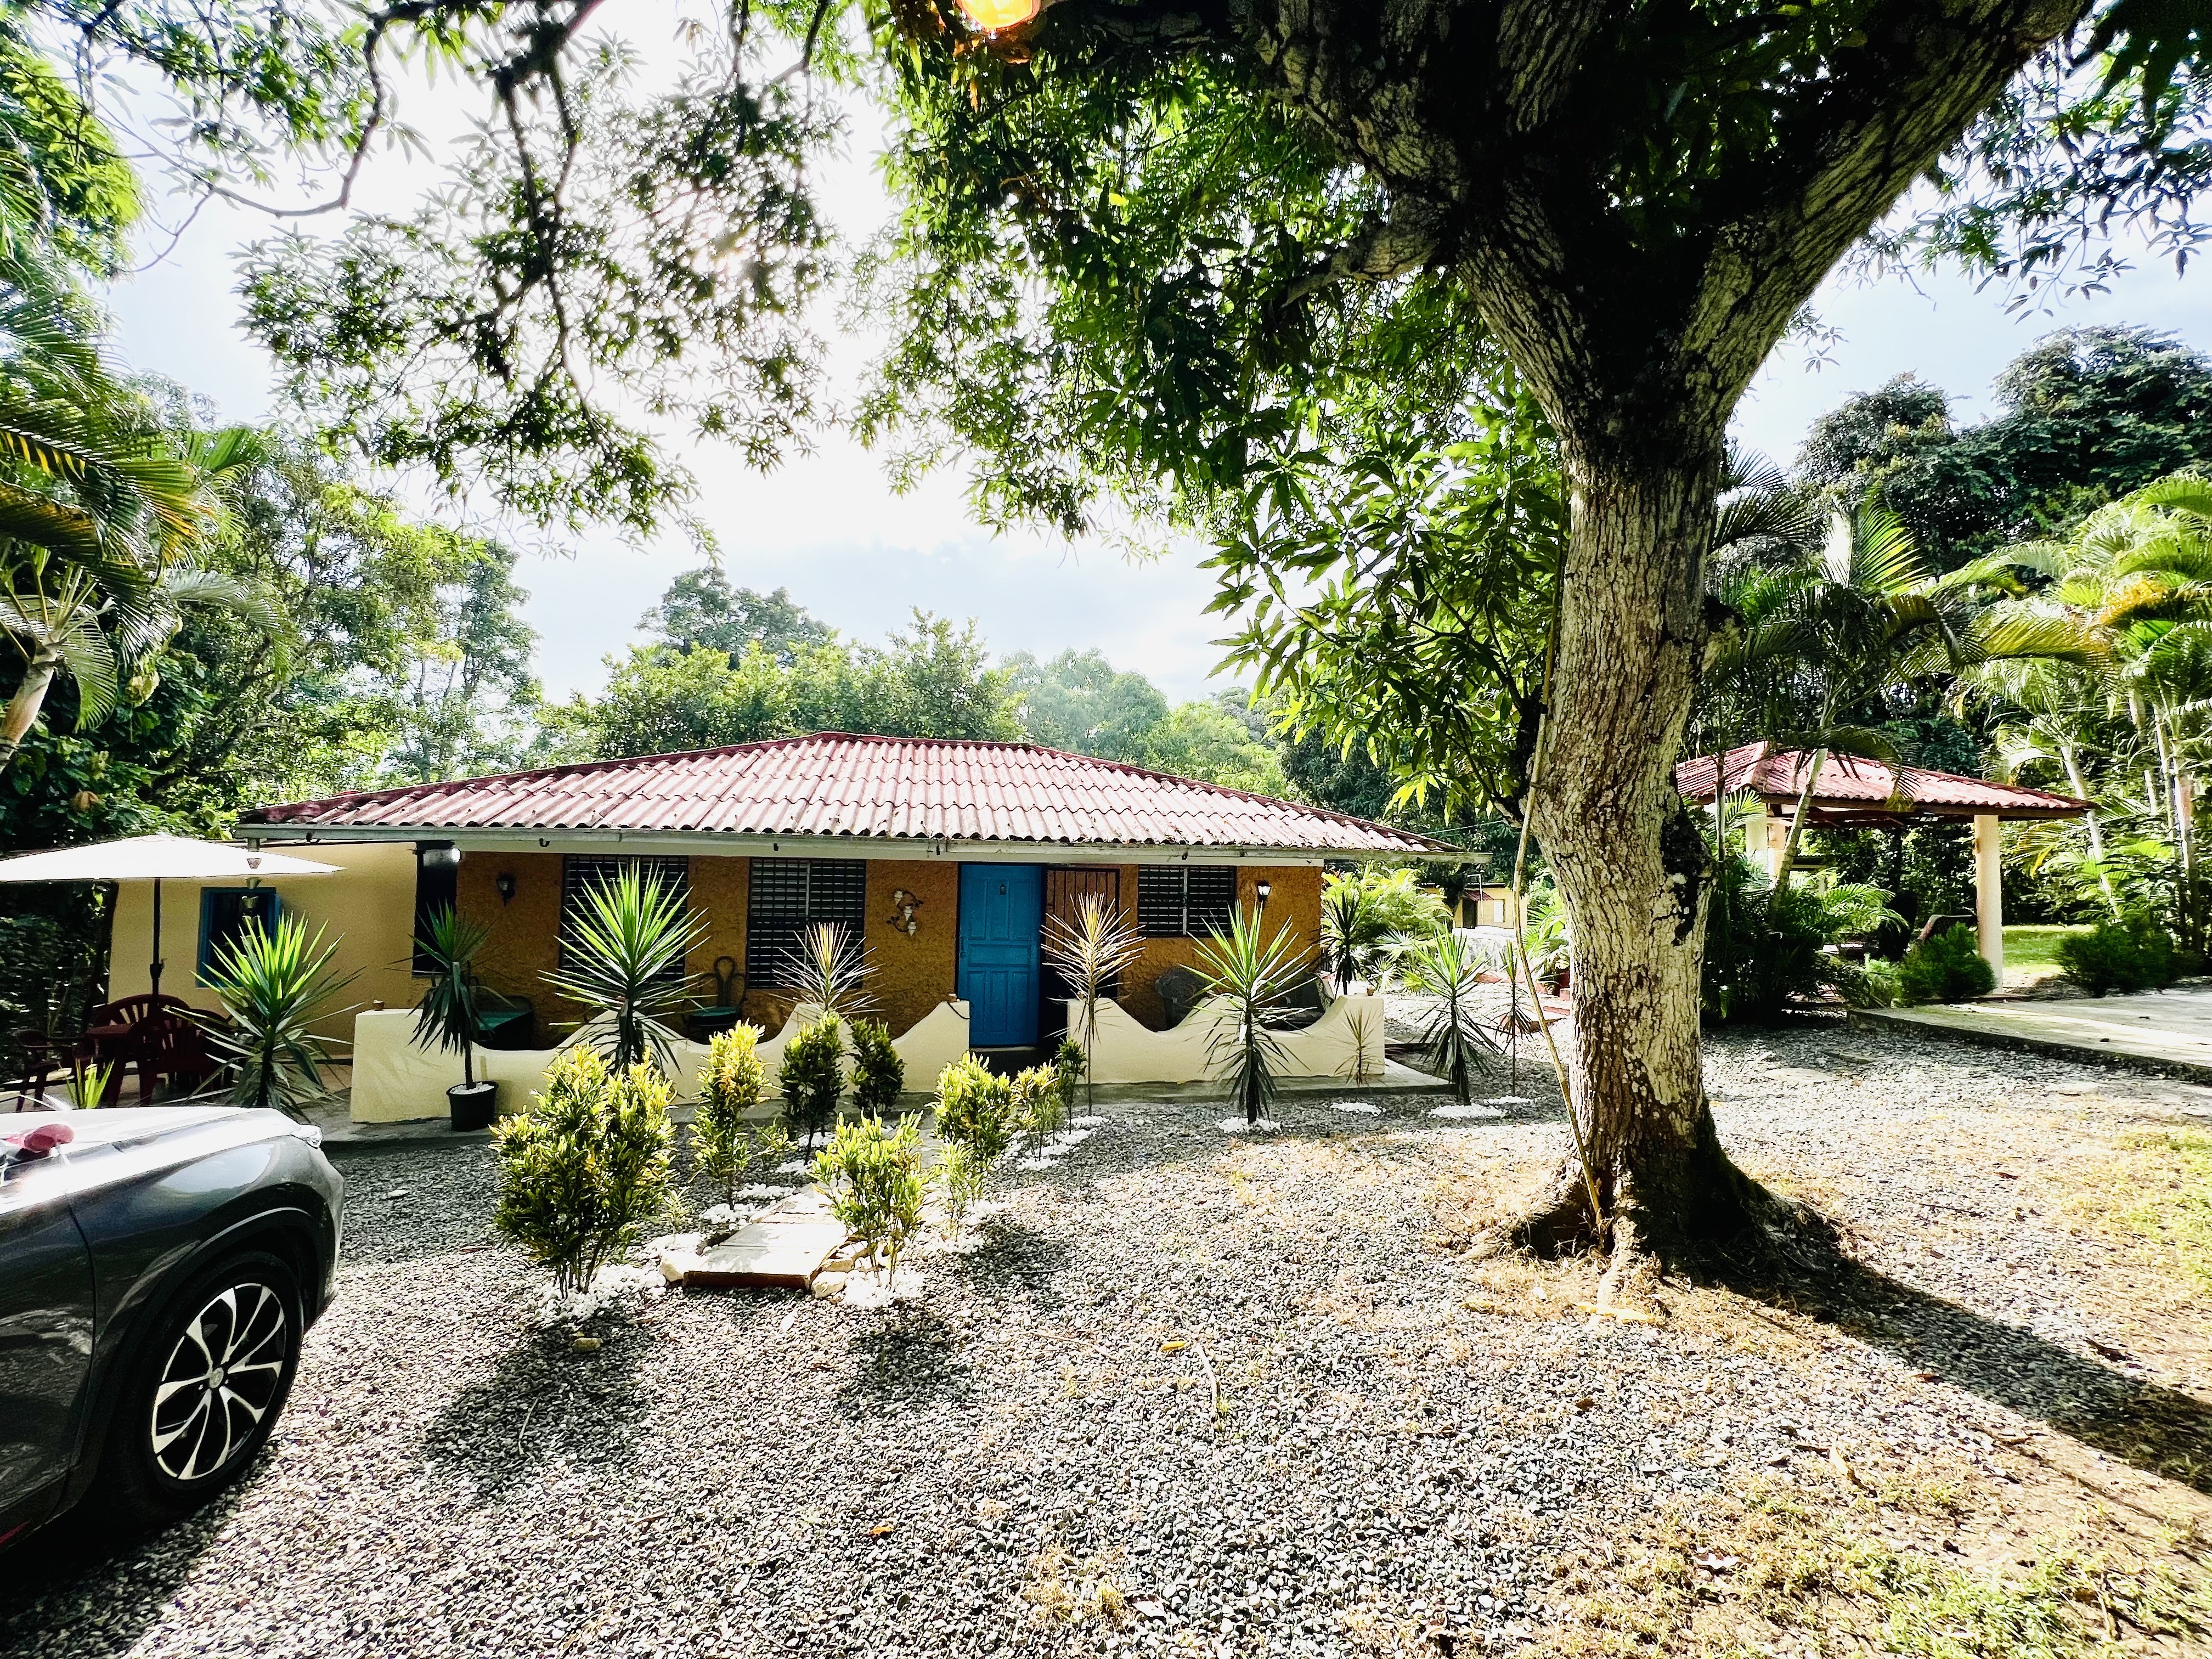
{"x": 158, "y": 1266}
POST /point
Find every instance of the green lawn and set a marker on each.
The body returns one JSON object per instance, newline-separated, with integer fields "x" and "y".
{"x": 2031, "y": 952}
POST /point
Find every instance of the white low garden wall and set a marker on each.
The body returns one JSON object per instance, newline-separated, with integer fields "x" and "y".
{"x": 394, "y": 1081}
{"x": 1346, "y": 1042}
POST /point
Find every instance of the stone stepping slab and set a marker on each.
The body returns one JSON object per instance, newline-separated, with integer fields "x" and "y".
{"x": 782, "y": 1248}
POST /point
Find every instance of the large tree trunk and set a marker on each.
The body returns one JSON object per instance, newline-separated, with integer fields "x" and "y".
{"x": 1632, "y": 863}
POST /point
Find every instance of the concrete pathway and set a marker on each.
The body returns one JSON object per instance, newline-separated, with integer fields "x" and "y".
{"x": 2168, "y": 1031}
{"x": 782, "y": 1247}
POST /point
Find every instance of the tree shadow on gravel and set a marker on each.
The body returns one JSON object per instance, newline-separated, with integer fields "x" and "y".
{"x": 1015, "y": 1259}
{"x": 908, "y": 1357}
{"x": 2160, "y": 1430}
{"x": 543, "y": 1400}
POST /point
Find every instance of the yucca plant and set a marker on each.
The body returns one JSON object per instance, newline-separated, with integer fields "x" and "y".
{"x": 1447, "y": 969}
{"x": 446, "y": 1019}
{"x": 1088, "y": 951}
{"x": 88, "y": 1084}
{"x": 273, "y": 986}
{"x": 628, "y": 947}
{"x": 1249, "y": 975}
{"x": 830, "y": 968}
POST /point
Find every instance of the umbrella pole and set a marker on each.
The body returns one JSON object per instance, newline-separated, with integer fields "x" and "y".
{"x": 153, "y": 970}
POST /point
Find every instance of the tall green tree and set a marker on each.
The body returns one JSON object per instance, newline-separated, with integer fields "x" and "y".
{"x": 1163, "y": 250}
{"x": 930, "y": 679}
{"x": 2084, "y": 416}
{"x": 701, "y": 611}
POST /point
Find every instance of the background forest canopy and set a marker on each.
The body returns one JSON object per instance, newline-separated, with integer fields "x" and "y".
{"x": 1385, "y": 518}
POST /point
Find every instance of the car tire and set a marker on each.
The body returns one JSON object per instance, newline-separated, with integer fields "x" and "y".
{"x": 204, "y": 1389}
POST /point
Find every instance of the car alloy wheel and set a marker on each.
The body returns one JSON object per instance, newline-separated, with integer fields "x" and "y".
{"x": 222, "y": 1378}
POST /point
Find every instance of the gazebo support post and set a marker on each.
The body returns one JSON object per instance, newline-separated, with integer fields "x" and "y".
{"x": 1989, "y": 893}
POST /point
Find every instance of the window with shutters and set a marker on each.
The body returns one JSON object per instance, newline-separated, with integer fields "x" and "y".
{"x": 1185, "y": 901}
{"x": 581, "y": 873}
{"x": 788, "y": 896}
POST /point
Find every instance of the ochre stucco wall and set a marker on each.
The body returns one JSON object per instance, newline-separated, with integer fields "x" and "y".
{"x": 1293, "y": 903}
{"x": 366, "y": 910}
{"x": 913, "y": 975}
{"x": 522, "y": 947}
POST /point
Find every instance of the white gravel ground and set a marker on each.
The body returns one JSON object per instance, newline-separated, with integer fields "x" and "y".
{"x": 1403, "y": 1441}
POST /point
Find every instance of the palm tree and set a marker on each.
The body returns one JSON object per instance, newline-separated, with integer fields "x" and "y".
{"x": 98, "y": 515}
{"x": 1865, "y": 614}
{"x": 2136, "y": 575}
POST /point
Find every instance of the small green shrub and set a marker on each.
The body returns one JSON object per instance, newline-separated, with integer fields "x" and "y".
{"x": 730, "y": 1086}
{"x": 583, "y": 1165}
{"x": 1036, "y": 1104}
{"x": 975, "y": 1108}
{"x": 2132, "y": 954}
{"x": 1948, "y": 968}
{"x": 1069, "y": 1064}
{"x": 1880, "y": 984}
{"x": 879, "y": 1073}
{"x": 813, "y": 1078}
{"x": 875, "y": 1184}
{"x": 773, "y": 1146}
{"x": 960, "y": 1178}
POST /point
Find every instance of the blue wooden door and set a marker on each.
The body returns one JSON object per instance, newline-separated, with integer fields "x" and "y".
{"x": 1001, "y": 913}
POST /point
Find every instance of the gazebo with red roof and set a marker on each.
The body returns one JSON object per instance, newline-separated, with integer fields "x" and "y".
{"x": 1854, "y": 793}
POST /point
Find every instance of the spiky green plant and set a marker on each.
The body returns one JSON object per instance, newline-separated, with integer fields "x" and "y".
{"x": 274, "y": 986}
{"x": 1089, "y": 952}
{"x": 88, "y": 1084}
{"x": 1447, "y": 969}
{"x": 830, "y": 968}
{"x": 628, "y": 946}
{"x": 730, "y": 1086}
{"x": 583, "y": 1165}
{"x": 1249, "y": 975}
{"x": 446, "y": 1019}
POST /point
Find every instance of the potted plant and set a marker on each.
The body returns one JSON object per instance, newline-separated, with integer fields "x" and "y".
{"x": 446, "y": 1020}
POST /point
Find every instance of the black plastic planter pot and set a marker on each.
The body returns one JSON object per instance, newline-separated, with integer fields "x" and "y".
{"x": 474, "y": 1105}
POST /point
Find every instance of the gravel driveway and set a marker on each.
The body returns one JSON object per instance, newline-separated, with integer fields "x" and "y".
{"x": 1191, "y": 1394}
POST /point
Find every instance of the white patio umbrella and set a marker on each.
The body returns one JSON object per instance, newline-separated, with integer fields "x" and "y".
{"x": 156, "y": 858}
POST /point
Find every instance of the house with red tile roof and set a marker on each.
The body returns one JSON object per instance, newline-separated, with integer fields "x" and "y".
{"x": 945, "y": 857}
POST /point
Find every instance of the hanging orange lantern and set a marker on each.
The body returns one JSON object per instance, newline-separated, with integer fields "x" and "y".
{"x": 993, "y": 15}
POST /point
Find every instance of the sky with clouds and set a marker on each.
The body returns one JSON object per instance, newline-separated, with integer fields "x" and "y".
{"x": 828, "y": 528}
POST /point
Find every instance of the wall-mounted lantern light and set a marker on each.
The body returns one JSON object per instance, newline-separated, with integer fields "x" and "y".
{"x": 903, "y": 905}
{"x": 1262, "y": 888}
{"x": 505, "y": 882}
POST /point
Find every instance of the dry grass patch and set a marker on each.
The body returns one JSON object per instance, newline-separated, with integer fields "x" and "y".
{"x": 1930, "y": 1564}
{"x": 1062, "y": 1593}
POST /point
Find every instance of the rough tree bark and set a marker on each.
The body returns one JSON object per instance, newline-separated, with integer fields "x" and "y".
{"x": 1493, "y": 130}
